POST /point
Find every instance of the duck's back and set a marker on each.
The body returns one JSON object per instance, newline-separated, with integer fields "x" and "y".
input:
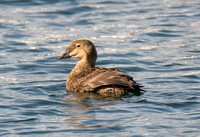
{"x": 103, "y": 81}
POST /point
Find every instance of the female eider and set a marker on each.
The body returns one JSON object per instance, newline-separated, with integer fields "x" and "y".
{"x": 85, "y": 77}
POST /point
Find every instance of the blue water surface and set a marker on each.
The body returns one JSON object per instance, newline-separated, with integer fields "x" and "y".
{"x": 156, "y": 42}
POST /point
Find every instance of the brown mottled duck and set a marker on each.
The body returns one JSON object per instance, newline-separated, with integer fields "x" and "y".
{"x": 85, "y": 77}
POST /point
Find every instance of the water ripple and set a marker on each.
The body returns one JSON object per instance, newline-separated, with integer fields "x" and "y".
{"x": 155, "y": 42}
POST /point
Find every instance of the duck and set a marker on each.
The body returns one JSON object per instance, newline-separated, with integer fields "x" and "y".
{"x": 85, "y": 77}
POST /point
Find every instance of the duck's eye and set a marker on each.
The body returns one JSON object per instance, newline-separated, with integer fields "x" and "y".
{"x": 78, "y": 45}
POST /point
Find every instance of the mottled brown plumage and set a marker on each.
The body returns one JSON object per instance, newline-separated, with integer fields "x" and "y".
{"x": 85, "y": 77}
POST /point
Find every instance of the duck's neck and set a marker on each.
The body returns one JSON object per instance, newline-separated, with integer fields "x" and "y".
{"x": 81, "y": 66}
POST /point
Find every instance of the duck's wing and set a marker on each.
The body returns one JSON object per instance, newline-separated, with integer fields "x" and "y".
{"x": 105, "y": 77}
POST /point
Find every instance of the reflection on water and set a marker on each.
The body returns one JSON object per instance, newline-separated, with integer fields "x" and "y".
{"x": 83, "y": 106}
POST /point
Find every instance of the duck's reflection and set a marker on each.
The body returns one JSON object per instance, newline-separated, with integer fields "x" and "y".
{"x": 83, "y": 108}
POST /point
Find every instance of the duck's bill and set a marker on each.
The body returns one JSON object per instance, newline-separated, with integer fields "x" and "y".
{"x": 65, "y": 55}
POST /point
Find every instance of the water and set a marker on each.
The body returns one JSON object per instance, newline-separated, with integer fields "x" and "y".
{"x": 156, "y": 42}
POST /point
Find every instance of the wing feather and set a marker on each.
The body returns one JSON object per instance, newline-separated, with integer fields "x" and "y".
{"x": 108, "y": 77}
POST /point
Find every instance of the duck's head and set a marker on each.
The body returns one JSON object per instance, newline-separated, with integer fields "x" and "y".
{"x": 80, "y": 49}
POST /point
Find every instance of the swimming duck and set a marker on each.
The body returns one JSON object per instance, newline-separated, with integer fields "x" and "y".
{"x": 85, "y": 77}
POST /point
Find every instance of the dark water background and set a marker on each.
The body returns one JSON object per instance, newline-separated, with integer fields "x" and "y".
{"x": 156, "y": 42}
